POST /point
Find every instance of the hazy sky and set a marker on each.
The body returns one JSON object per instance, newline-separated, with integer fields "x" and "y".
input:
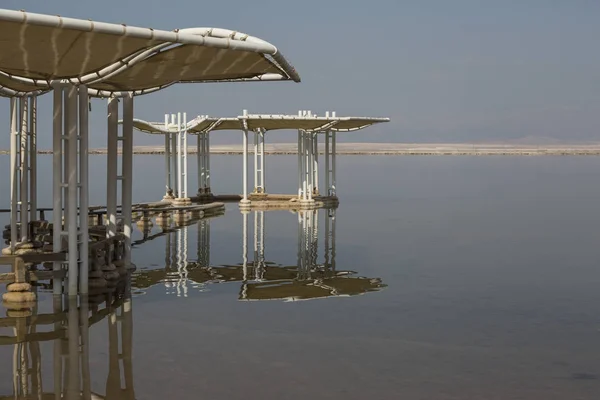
{"x": 459, "y": 70}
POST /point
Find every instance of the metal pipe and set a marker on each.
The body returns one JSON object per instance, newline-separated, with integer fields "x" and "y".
{"x": 299, "y": 164}
{"x": 24, "y": 163}
{"x": 73, "y": 233}
{"x": 174, "y": 171}
{"x": 127, "y": 182}
{"x": 185, "y": 151}
{"x": 13, "y": 174}
{"x": 84, "y": 188}
{"x": 327, "y": 162}
{"x": 33, "y": 158}
{"x": 199, "y": 159}
{"x": 168, "y": 186}
{"x": 57, "y": 191}
{"x": 256, "y": 183}
{"x": 333, "y": 163}
{"x": 112, "y": 166}
{"x": 316, "y": 162}
{"x": 207, "y": 161}
{"x": 180, "y": 193}
{"x": 262, "y": 161}
{"x": 245, "y": 159}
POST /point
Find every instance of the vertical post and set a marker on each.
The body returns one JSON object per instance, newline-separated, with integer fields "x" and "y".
{"x": 174, "y": 170}
{"x": 180, "y": 193}
{"x": 72, "y": 204}
{"x": 73, "y": 384}
{"x": 327, "y": 162}
{"x": 245, "y": 159}
{"x": 185, "y": 150}
{"x": 13, "y": 174}
{"x": 255, "y": 162}
{"x": 24, "y": 163}
{"x": 127, "y": 182}
{"x": 262, "y": 160}
{"x": 199, "y": 161}
{"x": 84, "y": 188}
{"x": 33, "y": 158}
{"x": 168, "y": 186}
{"x": 333, "y": 160}
{"x": 300, "y": 151}
{"x": 207, "y": 162}
{"x": 111, "y": 166}
{"x": 316, "y": 162}
{"x": 57, "y": 191}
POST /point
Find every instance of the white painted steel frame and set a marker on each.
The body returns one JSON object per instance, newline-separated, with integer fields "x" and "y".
{"x": 209, "y": 37}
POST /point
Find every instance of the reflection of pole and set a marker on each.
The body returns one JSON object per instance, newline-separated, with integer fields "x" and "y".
{"x": 332, "y": 216}
{"x": 57, "y": 357}
{"x": 127, "y": 347}
{"x": 73, "y": 340}
{"x": 259, "y": 245}
{"x": 113, "y": 381}
{"x": 245, "y": 245}
{"x": 85, "y": 348}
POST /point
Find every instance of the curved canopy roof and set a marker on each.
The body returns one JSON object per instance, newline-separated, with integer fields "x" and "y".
{"x": 266, "y": 122}
{"x": 37, "y": 50}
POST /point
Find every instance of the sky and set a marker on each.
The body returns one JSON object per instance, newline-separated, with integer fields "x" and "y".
{"x": 443, "y": 71}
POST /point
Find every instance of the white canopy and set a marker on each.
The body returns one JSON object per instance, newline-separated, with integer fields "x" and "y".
{"x": 267, "y": 122}
{"x": 37, "y": 50}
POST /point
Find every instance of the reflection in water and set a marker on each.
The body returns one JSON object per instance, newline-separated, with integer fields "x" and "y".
{"x": 69, "y": 325}
{"x": 260, "y": 279}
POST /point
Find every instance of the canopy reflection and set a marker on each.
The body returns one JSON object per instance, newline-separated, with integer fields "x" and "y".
{"x": 259, "y": 278}
{"x": 68, "y": 328}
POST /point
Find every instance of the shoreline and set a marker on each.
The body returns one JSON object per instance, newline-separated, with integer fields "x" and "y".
{"x": 397, "y": 149}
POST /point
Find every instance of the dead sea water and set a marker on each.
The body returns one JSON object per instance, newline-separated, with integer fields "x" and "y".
{"x": 447, "y": 278}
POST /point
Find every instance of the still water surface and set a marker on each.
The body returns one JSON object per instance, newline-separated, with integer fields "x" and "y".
{"x": 447, "y": 278}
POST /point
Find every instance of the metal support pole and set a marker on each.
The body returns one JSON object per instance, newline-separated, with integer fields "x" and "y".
{"x": 168, "y": 185}
{"x": 262, "y": 160}
{"x": 33, "y": 158}
{"x": 83, "y": 188}
{"x": 57, "y": 191}
{"x": 127, "y": 182}
{"x": 333, "y": 160}
{"x": 180, "y": 193}
{"x": 327, "y": 162}
{"x": 111, "y": 167}
{"x": 316, "y": 162}
{"x": 14, "y": 134}
{"x": 73, "y": 228}
{"x": 23, "y": 167}
{"x": 245, "y": 160}
{"x": 300, "y": 151}
{"x": 185, "y": 155}
{"x": 207, "y": 162}
{"x": 174, "y": 170}
{"x": 199, "y": 161}
{"x": 256, "y": 183}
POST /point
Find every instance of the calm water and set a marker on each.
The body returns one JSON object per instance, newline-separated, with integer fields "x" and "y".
{"x": 455, "y": 278}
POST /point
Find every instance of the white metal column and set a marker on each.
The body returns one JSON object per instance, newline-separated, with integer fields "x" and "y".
{"x": 315, "y": 163}
{"x": 208, "y": 190}
{"x": 179, "y": 158}
{"x": 14, "y": 197}
{"x": 33, "y": 158}
{"x": 183, "y": 130}
{"x": 245, "y": 160}
{"x": 112, "y": 166}
{"x": 127, "y": 173}
{"x": 200, "y": 147}
{"x": 83, "y": 188}
{"x": 174, "y": 170}
{"x": 24, "y": 170}
{"x": 327, "y": 163}
{"x": 57, "y": 181}
{"x": 259, "y": 161}
{"x": 168, "y": 184}
{"x": 300, "y": 174}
